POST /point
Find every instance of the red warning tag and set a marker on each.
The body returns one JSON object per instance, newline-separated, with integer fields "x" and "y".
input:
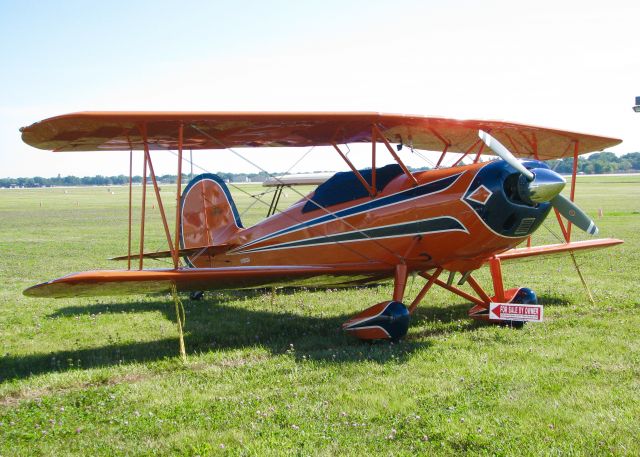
{"x": 515, "y": 312}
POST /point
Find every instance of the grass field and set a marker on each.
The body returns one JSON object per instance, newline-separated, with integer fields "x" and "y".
{"x": 274, "y": 375}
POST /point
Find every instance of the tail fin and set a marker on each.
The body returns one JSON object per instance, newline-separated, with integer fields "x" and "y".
{"x": 209, "y": 216}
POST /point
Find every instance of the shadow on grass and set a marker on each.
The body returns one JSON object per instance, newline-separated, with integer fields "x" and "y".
{"x": 211, "y": 324}
{"x": 447, "y": 319}
{"x": 554, "y": 300}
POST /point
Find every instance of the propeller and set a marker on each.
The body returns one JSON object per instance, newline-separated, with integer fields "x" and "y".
{"x": 541, "y": 185}
{"x": 504, "y": 154}
{"x": 574, "y": 214}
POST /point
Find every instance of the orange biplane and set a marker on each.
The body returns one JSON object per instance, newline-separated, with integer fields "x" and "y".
{"x": 356, "y": 227}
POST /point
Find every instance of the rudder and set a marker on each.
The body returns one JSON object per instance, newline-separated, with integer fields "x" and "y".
{"x": 208, "y": 215}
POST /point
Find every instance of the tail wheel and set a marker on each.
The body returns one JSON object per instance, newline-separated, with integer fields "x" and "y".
{"x": 196, "y": 295}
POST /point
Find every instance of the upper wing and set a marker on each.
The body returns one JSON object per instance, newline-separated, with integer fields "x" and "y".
{"x": 553, "y": 249}
{"x": 122, "y": 282}
{"x": 93, "y": 131}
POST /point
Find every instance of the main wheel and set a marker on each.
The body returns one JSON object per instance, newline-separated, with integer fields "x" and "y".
{"x": 388, "y": 320}
{"x": 522, "y": 296}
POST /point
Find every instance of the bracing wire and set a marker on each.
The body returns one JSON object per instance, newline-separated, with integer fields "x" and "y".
{"x": 423, "y": 157}
{"x": 256, "y": 197}
{"x": 305, "y": 197}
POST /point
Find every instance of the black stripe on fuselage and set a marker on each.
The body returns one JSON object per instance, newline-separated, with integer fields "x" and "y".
{"x": 406, "y": 195}
{"x": 425, "y": 226}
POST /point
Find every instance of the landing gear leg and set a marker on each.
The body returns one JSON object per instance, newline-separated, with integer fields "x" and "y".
{"x": 517, "y": 296}
{"x": 400, "y": 282}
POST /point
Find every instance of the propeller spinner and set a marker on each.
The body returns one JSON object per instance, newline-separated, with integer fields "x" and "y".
{"x": 541, "y": 185}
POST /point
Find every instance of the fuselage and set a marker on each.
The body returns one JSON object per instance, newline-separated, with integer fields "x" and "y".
{"x": 455, "y": 218}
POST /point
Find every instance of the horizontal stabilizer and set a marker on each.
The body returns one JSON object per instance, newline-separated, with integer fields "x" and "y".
{"x": 555, "y": 249}
{"x": 189, "y": 252}
{"x": 310, "y": 179}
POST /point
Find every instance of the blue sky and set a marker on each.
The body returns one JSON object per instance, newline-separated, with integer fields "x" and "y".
{"x": 565, "y": 64}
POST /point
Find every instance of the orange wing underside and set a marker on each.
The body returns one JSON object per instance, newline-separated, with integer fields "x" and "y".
{"x": 94, "y": 131}
{"x": 124, "y": 282}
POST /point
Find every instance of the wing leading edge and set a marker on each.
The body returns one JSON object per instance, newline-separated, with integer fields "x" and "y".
{"x": 121, "y": 131}
{"x": 123, "y": 282}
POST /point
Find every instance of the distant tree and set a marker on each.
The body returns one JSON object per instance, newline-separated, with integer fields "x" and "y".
{"x": 598, "y": 167}
{"x": 71, "y": 181}
{"x": 634, "y": 159}
{"x": 599, "y": 162}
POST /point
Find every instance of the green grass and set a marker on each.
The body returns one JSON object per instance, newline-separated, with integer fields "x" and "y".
{"x": 274, "y": 375}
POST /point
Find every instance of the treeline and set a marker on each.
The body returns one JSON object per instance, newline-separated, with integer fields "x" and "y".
{"x": 600, "y": 162}
{"x": 100, "y": 180}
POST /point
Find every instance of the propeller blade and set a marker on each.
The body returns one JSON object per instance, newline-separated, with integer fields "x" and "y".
{"x": 504, "y": 154}
{"x": 565, "y": 206}
{"x": 574, "y": 214}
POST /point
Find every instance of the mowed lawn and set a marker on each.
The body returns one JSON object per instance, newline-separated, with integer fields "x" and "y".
{"x": 274, "y": 375}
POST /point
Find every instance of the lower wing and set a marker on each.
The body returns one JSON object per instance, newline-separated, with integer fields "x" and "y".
{"x": 123, "y": 282}
{"x": 554, "y": 249}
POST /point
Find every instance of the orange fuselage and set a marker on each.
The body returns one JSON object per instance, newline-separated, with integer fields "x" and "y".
{"x": 454, "y": 218}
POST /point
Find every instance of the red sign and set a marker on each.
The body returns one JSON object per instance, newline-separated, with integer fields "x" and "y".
{"x": 515, "y": 312}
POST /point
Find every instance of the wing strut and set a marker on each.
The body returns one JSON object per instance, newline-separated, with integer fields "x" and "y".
{"x": 466, "y": 153}
{"x": 147, "y": 163}
{"x": 370, "y": 189}
{"x": 156, "y": 189}
{"x": 144, "y": 204}
{"x": 574, "y": 173}
{"x": 376, "y": 133}
{"x": 176, "y": 243}
{"x": 444, "y": 153}
{"x": 130, "y": 207}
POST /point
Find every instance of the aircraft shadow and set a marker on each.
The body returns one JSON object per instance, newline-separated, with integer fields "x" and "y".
{"x": 553, "y": 300}
{"x": 211, "y": 324}
{"x": 442, "y": 316}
